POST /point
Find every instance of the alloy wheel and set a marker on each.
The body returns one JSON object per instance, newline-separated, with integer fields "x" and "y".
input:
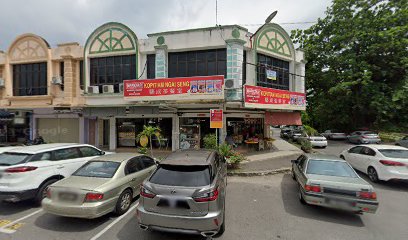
{"x": 125, "y": 201}
{"x": 372, "y": 174}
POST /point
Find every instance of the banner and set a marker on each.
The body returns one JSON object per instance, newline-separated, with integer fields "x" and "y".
{"x": 216, "y": 118}
{"x": 188, "y": 88}
{"x": 261, "y": 97}
{"x": 270, "y": 74}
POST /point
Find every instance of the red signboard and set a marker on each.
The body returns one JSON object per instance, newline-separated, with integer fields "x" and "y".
{"x": 207, "y": 87}
{"x": 273, "y": 98}
{"x": 216, "y": 118}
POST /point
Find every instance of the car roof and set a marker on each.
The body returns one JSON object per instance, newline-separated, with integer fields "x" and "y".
{"x": 117, "y": 157}
{"x": 33, "y": 149}
{"x": 383, "y": 146}
{"x": 189, "y": 158}
{"x": 325, "y": 157}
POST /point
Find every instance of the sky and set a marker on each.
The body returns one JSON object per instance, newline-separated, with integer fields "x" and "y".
{"x": 62, "y": 21}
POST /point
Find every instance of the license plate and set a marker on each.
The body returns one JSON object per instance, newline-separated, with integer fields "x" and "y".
{"x": 67, "y": 197}
{"x": 339, "y": 203}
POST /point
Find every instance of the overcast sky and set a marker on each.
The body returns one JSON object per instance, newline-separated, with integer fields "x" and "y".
{"x": 60, "y": 21}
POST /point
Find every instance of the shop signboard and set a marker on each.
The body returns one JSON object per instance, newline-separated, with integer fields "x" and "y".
{"x": 268, "y": 98}
{"x": 216, "y": 118}
{"x": 187, "y": 88}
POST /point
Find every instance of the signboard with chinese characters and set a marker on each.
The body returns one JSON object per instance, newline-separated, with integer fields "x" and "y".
{"x": 188, "y": 88}
{"x": 268, "y": 98}
{"x": 216, "y": 118}
{"x": 270, "y": 74}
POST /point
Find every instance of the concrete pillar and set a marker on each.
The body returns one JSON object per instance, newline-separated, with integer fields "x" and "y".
{"x": 235, "y": 58}
{"x": 33, "y": 127}
{"x": 82, "y": 131}
{"x": 175, "y": 133}
{"x": 161, "y": 61}
{"x": 112, "y": 134}
{"x": 69, "y": 79}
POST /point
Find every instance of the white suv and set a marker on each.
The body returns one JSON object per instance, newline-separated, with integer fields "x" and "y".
{"x": 26, "y": 172}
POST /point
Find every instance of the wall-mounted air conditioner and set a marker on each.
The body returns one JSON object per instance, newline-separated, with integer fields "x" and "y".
{"x": 93, "y": 89}
{"x": 108, "y": 89}
{"x": 56, "y": 80}
{"x": 121, "y": 87}
{"x": 231, "y": 84}
{"x": 2, "y": 83}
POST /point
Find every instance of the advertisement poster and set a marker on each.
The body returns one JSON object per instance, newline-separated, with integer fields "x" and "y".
{"x": 273, "y": 98}
{"x": 270, "y": 74}
{"x": 188, "y": 88}
{"x": 216, "y": 118}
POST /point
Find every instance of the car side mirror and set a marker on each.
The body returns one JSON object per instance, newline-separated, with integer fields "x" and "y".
{"x": 103, "y": 152}
{"x": 294, "y": 161}
{"x": 156, "y": 161}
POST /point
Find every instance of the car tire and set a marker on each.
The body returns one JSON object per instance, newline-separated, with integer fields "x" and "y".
{"x": 301, "y": 199}
{"x": 42, "y": 191}
{"x": 372, "y": 174}
{"x": 124, "y": 202}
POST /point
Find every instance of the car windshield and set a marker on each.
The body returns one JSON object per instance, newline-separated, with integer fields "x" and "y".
{"x": 98, "y": 169}
{"x": 10, "y": 158}
{"x": 330, "y": 168}
{"x": 185, "y": 176}
{"x": 394, "y": 153}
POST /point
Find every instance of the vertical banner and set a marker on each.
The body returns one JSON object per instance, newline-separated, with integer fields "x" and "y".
{"x": 216, "y": 118}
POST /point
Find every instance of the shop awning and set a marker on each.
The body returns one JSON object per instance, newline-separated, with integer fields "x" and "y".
{"x": 283, "y": 118}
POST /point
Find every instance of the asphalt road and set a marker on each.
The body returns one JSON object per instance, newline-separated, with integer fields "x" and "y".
{"x": 257, "y": 208}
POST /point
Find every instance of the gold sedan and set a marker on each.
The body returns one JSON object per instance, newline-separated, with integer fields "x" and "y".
{"x": 106, "y": 184}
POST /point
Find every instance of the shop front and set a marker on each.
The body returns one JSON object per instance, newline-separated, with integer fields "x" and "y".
{"x": 193, "y": 130}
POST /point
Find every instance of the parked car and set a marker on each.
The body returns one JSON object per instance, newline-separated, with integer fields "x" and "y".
{"x": 403, "y": 142}
{"x": 186, "y": 193}
{"x": 330, "y": 181}
{"x": 379, "y": 162}
{"x": 105, "y": 184}
{"x": 294, "y": 134}
{"x": 26, "y": 172}
{"x": 315, "y": 140}
{"x": 334, "y": 135}
{"x": 364, "y": 137}
{"x": 5, "y": 149}
{"x": 284, "y": 134}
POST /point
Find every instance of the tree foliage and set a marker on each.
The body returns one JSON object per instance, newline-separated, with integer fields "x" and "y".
{"x": 356, "y": 70}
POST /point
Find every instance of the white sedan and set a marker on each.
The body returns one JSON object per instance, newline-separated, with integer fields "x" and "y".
{"x": 379, "y": 162}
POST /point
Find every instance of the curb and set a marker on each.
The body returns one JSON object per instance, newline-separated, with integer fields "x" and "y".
{"x": 259, "y": 173}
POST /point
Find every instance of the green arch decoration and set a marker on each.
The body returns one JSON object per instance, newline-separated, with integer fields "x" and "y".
{"x": 273, "y": 38}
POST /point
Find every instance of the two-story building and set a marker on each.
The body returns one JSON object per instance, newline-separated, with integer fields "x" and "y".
{"x": 74, "y": 93}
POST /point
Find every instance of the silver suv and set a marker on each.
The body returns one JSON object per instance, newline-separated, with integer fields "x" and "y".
{"x": 185, "y": 194}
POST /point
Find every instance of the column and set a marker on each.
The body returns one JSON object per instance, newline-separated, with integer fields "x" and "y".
{"x": 82, "y": 130}
{"x": 69, "y": 81}
{"x": 112, "y": 134}
{"x": 235, "y": 58}
{"x": 175, "y": 133}
{"x": 161, "y": 61}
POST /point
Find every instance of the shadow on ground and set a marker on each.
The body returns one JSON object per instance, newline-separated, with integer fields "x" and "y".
{"x": 7, "y": 208}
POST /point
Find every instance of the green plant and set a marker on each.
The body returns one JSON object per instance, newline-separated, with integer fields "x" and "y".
{"x": 390, "y": 136}
{"x": 142, "y": 150}
{"x": 306, "y": 146}
{"x": 210, "y": 141}
{"x": 310, "y": 130}
{"x": 236, "y": 158}
{"x": 225, "y": 150}
{"x": 149, "y": 131}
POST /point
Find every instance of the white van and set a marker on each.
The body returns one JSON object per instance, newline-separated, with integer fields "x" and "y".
{"x": 26, "y": 172}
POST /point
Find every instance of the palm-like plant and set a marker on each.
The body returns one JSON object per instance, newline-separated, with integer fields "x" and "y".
{"x": 149, "y": 131}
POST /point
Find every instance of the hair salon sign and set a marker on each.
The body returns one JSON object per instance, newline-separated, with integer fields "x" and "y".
{"x": 268, "y": 98}
{"x": 188, "y": 88}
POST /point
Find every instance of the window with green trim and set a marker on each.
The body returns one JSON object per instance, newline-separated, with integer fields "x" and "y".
{"x": 281, "y": 68}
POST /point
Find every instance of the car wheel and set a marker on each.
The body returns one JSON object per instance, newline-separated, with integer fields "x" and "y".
{"x": 124, "y": 202}
{"x": 42, "y": 191}
{"x": 372, "y": 174}
{"x": 301, "y": 199}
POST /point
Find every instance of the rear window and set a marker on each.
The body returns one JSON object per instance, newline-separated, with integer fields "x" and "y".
{"x": 98, "y": 169}
{"x": 394, "y": 153}
{"x": 185, "y": 176}
{"x": 330, "y": 168}
{"x": 9, "y": 159}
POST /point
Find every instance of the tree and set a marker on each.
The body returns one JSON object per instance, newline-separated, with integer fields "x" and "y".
{"x": 357, "y": 59}
{"x": 149, "y": 131}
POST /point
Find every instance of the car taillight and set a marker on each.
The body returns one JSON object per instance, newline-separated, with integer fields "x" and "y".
{"x": 211, "y": 196}
{"x": 312, "y": 188}
{"x": 20, "y": 169}
{"x": 391, "y": 163}
{"x": 368, "y": 195}
{"x": 93, "y": 197}
{"x": 146, "y": 193}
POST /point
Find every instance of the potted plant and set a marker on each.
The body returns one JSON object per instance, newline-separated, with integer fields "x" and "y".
{"x": 149, "y": 131}
{"x": 225, "y": 150}
{"x": 306, "y": 146}
{"x": 234, "y": 160}
{"x": 210, "y": 141}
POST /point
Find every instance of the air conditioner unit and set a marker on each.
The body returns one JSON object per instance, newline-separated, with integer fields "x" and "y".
{"x": 93, "y": 89}
{"x": 57, "y": 80}
{"x": 2, "y": 83}
{"x": 108, "y": 89}
{"x": 121, "y": 87}
{"x": 231, "y": 84}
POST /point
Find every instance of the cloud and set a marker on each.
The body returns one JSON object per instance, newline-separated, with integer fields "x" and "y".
{"x": 74, "y": 20}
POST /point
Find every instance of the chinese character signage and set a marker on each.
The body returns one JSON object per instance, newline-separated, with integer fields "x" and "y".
{"x": 188, "y": 88}
{"x": 270, "y": 74}
{"x": 216, "y": 118}
{"x": 268, "y": 98}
